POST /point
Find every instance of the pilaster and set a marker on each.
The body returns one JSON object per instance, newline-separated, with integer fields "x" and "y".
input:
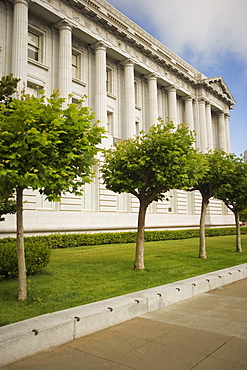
{"x": 100, "y": 83}
{"x": 189, "y": 113}
{"x": 172, "y": 105}
{"x": 222, "y": 131}
{"x": 152, "y": 99}
{"x": 228, "y": 140}
{"x": 129, "y": 97}
{"x": 203, "y": 125}
{"x": 209, "y": 126}
{"x": 65, "y": 60}
{"x": 20, "y": 41}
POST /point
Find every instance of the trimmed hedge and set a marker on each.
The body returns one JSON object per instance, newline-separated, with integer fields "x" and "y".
{"x": 37, "y": 257}
{"x": 75, "y": 240}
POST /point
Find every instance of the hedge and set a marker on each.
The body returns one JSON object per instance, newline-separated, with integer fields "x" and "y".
{"x": 37, "y": 257}
{"x": 75, "y": 240}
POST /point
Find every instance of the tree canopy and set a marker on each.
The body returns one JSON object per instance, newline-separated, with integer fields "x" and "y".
{"x": 8, "y": 86}
{"x": 234, "y": 193}
{"x": 218, "y": 164}
{"x": 148, "y": 166}
{"x": 44, "y": 147}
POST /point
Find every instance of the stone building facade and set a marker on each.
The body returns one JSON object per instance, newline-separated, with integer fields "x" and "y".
{"x": 87, "y": 47}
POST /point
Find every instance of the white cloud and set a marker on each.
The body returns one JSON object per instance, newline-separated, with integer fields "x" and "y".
{"x": 208, "y": 29}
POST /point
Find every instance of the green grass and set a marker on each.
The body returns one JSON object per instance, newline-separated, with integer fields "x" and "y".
{"x": 76, "y": 276}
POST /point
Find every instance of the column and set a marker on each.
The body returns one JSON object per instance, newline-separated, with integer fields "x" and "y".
{"x": 152, "y": 100}
{"x": 202, "y": 125}
{"x": 222, "y": 131}
{"x": 189, "y": 113}
{"x": 65, "y": 61}
{"x": 172, "y": 105}
{"x": 209, "y": 126}
{"x": 129, "y": 98}
{"x": 100, "y": 84}
{"x": 20, "y": 41}
{"x": 196, "y": 123}
{"x": 228, "y": 140}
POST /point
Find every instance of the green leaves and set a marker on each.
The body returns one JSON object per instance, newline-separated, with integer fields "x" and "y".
{"x": 233, "y": 191}
{"x": 217, "y": 165}
{"x": 45, "y": 146}
{"x": 153, "y": 163}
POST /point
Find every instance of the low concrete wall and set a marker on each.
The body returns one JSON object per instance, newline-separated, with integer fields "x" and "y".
{"x": 40, "y": 333}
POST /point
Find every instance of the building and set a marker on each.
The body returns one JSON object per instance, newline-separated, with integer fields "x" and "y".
{"x": 130, "y": 79}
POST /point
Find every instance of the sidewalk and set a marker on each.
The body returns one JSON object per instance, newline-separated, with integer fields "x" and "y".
{"x": 205, "y": 332}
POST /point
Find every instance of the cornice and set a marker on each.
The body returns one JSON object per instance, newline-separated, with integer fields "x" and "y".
{"x": 114, "y": 21}
{"x": 217, "y": 87}
{"x": 106, "y": 16}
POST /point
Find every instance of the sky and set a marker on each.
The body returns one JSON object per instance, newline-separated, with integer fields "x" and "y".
{"x": 210, "y": 35}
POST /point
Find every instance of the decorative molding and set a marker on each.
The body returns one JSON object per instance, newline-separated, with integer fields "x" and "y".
{"x": 92, "y": 4}
{"x": 116, "y": 30}
{"x": 38, "y": 64}
{"x": 79, "y": 82}
{"x": 117, "y": 21}
{"x": 76, "y": 16}
{"x": 87, "y": 23}
{"x": 36, "y": 22}
{"x": 63, "y": 7}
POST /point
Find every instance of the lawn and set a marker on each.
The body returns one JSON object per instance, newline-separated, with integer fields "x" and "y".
{"x": 77, "y": 276}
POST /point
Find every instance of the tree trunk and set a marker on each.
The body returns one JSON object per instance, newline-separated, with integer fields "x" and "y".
{"x": 202, "y": 248}
{"x": 238, "y": 235}
{"x": 22, "y": 280}
{"x": 139, "y": 261}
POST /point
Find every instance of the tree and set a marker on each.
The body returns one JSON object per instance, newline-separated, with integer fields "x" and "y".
{"x": 8, "y": 86}
{"x": 217, "y": 167}
{"x": 45, "y": 147}
{"x": 7, "y": 204}
{"x": 148, "y": 166}
{"x": 243, "y": 215}
{"x": 234, "y": 193}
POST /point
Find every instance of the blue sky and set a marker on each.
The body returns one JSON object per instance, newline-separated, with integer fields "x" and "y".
{"x": 210, "y": 35}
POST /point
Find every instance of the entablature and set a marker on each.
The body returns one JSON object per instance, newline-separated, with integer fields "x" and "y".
{"x": 99, "y": 20}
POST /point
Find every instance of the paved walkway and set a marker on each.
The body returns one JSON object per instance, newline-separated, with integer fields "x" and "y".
{"x": 207, "y": 332}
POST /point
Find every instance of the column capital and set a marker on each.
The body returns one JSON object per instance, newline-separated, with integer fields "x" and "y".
{"x": 188, "y": 98}
{"x": 25, "y": 2}
{"x": 99, "y": 45}
{"x": 64, "y": 24}
{"x": 151, "y": 76}
{"x": 172, "y": 89}
{"x": 221, "y": 113}
{"x": 128, "y": 62}
{"x": 201, "y": 100}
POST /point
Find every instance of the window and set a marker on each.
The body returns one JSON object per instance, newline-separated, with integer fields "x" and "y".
{"x": 136, "y": 93}
{"x": 189, "y": 199}
{"x": 122, "y": 202}
{"x": 109, "y": 80}
{"x": 33, "y": 89}
{"x": 78, "y": 101}
{"x": 88, "y": 200}
{"x": 43, "y": 203}
{"x": 75, "y": 66}
{"x": 34, "y": 51}
{"x": 170, "y": 201}
{"x": 137, "y": 128}
{"x": 110, "y": 123}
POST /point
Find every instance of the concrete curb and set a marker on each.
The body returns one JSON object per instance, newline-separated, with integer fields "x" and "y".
{"x": 40, "y": 333}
